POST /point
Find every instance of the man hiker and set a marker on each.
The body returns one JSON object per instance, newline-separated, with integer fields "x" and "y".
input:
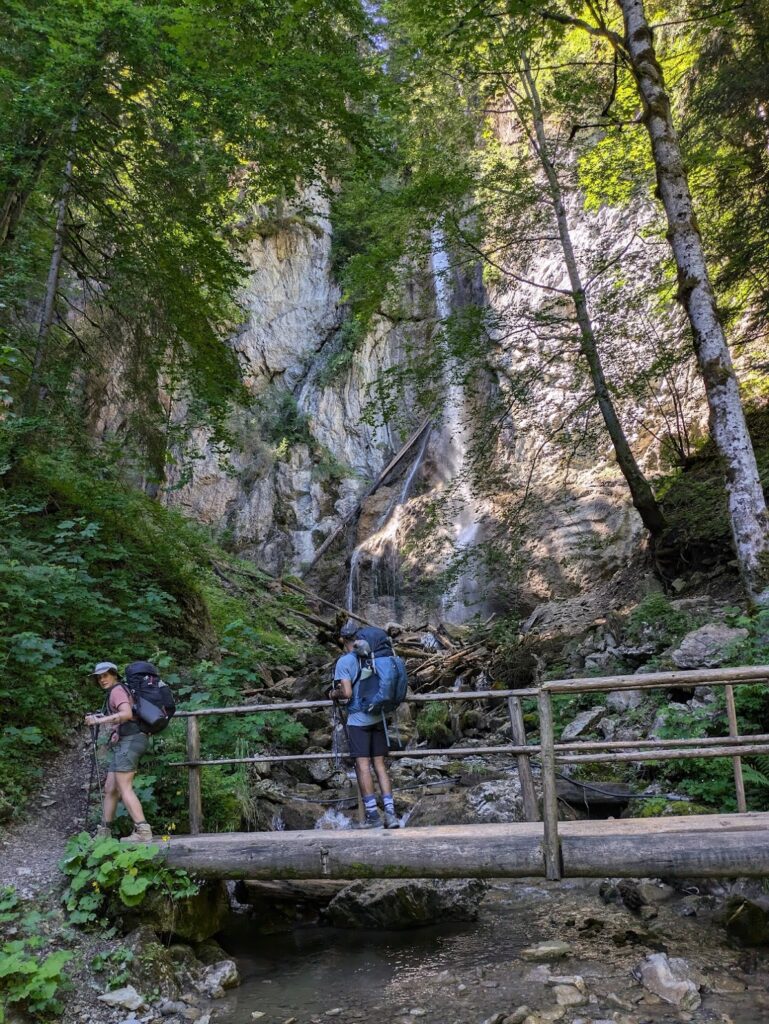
{"x": 366, "y": 730}
{"x": 125, "y": 747}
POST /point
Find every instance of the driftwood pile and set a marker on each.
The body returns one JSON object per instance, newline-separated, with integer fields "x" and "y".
{"x": 437, "y": 658}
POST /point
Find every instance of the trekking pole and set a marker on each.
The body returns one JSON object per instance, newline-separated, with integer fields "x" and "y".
{"x": 94, "y": 771}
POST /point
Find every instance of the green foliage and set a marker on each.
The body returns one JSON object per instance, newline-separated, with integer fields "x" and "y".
{"x": 31, "y": 975}
{"x": 92, "y": 569}
{"x": 655, "y": 617}
{"x": 173, "y": 121}
{"x": 114, "y": 963}
{"x": 105, "y": 875}
{"x": 434, "y": 725}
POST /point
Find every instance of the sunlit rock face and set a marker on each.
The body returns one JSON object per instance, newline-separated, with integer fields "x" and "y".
{"x": 307, "y": 449}
{"x": 303, "y": 452}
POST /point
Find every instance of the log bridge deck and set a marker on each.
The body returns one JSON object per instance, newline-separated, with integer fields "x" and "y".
{"x": 713, "y": 845}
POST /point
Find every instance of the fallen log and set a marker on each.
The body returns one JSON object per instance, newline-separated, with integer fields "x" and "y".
{"x": 352, "y": 516}
{"x": 724, "y": 846}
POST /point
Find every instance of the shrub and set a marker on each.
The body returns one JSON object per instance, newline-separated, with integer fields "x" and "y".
{"x": 105, "y": 875}
{"x": 31, "y": 975}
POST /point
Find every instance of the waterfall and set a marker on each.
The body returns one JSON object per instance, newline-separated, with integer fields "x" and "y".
{"x": 378, "y": 552}
{"x": 384, "y": 538}
{"x": 464, "y": 593}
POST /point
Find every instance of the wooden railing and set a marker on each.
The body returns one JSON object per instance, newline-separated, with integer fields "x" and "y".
{"x": 549, "y": 753}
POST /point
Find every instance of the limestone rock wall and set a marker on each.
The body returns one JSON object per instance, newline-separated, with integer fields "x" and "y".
{"x": 279, "y": 496}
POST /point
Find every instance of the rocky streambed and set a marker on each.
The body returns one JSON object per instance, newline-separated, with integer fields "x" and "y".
{"x": 575, "y": 952}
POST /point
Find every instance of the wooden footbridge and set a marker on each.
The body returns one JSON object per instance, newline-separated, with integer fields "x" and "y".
{"x": 717, "y": 845}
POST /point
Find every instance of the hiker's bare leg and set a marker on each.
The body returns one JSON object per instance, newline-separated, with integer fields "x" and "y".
{"x": 363, "y": 773}
{"x": 111, "y": 797}
{"x": 125, "y": 785}
{"x": 385, "y": 786}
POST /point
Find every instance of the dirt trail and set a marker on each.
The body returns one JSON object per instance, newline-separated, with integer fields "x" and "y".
{"x": 31, "y": 849}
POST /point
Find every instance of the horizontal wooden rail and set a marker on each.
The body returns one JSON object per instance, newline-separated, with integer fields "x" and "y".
{"x": 654, "y": 680}
{"x": 301, "y": 705}
{"x": 568, "y": 752}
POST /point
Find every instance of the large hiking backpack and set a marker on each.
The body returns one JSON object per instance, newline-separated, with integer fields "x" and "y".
{"x": 154, "y": 704}
{"x": 385, "y": 687}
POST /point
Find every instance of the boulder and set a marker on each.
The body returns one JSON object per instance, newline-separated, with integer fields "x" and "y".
{"x": 127, "y": 998}
{"x": 495, "y": 800}
{"x": 583, "y": 723}
{"x": 193, "y": 919}
{"x": 300, "y": 814}
{"x": 153, "y": 968}
{"x": 405, "y": 903}
{"x": 747, "y": 920}
{"x": 498, "y": 800}
{"x": 624, "y": 700}
{"x": 218, "y": 977}
{"x": 708, "y": 646}
{"x": 670, "y": 978}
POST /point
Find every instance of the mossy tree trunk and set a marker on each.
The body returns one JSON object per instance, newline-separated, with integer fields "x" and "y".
{"x": 747, "y": 506}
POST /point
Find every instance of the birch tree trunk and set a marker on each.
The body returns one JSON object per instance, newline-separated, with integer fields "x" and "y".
{"x": 640, "y": 490}
{"x": 747, "y": 507}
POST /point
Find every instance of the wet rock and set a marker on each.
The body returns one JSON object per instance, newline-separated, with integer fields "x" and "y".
{"x": 408, "y": 903}
{"x": 583, "y": 723}
{"x": 568, "y": 995}
{"x": 210, "y": 952}
{"x": 670, "y": 978}
{"x": 299, "y": 815}
{"x": 218, "y": 977}
{"x": 552, "y": 950}
{"x": 708, "y": 646}
{"x": 127, "y": 998}
{"x": 518, "y": 1016}
{"x": 747, "y": 920}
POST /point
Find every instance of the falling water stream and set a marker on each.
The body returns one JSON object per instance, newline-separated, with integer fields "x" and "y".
{"x": 450, "y": 438}
{"x": 381, "y": 544}
{"x": 457, "y": 601}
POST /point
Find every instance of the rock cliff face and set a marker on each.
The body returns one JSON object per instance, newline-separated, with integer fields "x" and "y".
{"x": 308, "y": 450}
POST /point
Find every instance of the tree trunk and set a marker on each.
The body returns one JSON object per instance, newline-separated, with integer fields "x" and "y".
{"x": 640, "y": 491}
{"x": 747, "y": 507}
{"x": 52, "y": 283}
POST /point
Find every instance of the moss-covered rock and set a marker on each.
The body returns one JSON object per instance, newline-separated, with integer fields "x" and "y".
{"x": 193, "y": 919}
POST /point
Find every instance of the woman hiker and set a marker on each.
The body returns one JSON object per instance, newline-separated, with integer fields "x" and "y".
{"x": 125, "y": 747}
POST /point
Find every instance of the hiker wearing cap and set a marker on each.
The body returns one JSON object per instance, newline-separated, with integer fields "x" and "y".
{"x": 125, "y": 747}
{"x": 367, "y": 734}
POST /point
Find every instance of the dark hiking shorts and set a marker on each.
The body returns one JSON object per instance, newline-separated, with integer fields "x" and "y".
{"x": 368, "y": 740}
{"x": 124, "y": 755}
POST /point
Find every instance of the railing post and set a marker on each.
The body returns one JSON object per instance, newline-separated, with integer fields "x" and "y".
{"x": 518, "y": 732}
{"x": 195, "y": 796}
{"x": 550, "y": 841}
{"x": 739, "y": 782}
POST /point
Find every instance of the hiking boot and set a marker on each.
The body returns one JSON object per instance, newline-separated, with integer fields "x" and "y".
{"x": 103, "y": 832}
{"x": 372, "y": 820}
{"x": 142, "y": 833}
{"x": 391, "y": 820}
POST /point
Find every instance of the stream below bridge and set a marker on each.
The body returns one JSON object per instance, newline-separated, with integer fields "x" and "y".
{"x": 475, "y": 972}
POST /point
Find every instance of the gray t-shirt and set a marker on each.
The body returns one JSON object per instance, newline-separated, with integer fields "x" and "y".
{"x": 347, "y": 668}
